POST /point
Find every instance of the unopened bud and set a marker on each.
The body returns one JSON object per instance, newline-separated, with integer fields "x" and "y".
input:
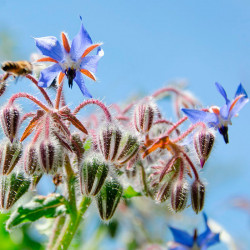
{"x": 164, "y": 192}
{"x": 179, "y": 195}
{"x": 108, "y": 199}
{"x": 197, "y": 195}
{"x": 12, "y": 187}
{"x": 2, "y": 86}
{"x": 10, "y": 119}
{"x": 47, "y": 155}
{"x": 130, "y": 148}
{"x": 109, "y": 141}
{"x": 93, "y": 173}
{"x": 31, "y": 161}
{"x": 144, "y": 116}
{"x": 11, "y": 154}
{"x": 203, "y": 142}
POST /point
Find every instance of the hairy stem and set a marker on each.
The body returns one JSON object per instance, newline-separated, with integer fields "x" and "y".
{"x": 71, "y": 225}
{"x": 93, "y": 101}
{"x": 44, "y": 93}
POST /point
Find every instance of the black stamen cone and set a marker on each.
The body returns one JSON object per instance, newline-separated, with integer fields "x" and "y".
{"x": 224, "y": 132}
{"x": 71, "y": 74}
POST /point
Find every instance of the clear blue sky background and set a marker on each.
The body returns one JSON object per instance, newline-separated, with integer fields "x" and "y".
{"x": 148, "y": 43}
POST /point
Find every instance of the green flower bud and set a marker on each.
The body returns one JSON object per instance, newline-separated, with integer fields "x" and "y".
{"x": 108, "y": 199}
{"x": 12, "y": 187}
{"x": 93, "y": 173}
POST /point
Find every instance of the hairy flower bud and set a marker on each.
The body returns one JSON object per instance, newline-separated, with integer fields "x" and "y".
{"x": 93, "y": 173}
{"x": 12, "y": 187}
{"x": 179, "y": 194}
{"x": 129, "y": 147}
{"x": 10, "y": 120}
{"x": 164, "y": 192}
{"x": 31, "y": 161}
{"x": 109, "y": 141}
{"x": 197, "y": 195}
{"x": 47, "y": 155}
{"x": 11, "y": 154}
{"x": 143, "y": 116}
{"x": 108, "y": 199}
{"x": 203, "y": 143}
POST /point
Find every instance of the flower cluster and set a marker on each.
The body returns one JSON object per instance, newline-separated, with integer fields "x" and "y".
{"x": 136, "y": 147}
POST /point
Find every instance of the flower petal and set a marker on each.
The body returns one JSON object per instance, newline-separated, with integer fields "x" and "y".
{"x": 90, "y": 63}
{"x": 80, "y": 43}
{"x": 80, "y": 82}
{"x": 208, "y": 238}
{"x": 222, "y": 92}
{"x": 237, "y": 105}
{"x": 50, "y": 46}
{"x": 195, "y": 116}
{"x": 48, "y": 75}
{"x": 241, "y": 91}
{"x": 224, "y": 111}
{"x": 182, "y": 237}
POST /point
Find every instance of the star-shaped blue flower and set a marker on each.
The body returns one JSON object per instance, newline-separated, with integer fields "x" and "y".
{"x": 220, "y": 118}
{"x": 184, "y": 241}
{"x": 72, "y": 61}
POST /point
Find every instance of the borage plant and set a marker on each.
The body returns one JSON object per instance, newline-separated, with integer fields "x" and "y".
{"x": 135, "y": 151}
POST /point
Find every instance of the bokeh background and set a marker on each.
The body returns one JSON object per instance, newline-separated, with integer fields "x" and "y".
{"x": 148, "y": 44}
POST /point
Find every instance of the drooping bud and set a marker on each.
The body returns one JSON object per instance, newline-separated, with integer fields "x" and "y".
{"x": 108, "y": 199}
{"x": 31, "y": 161}
{"x": 11, "y": 154}
{"x": 93, "y": 173}
{"x": 129, "y": 147}
{"x": 109, "y": 141}
{"x": 47, "y": 155}
{"x": 164, "y": 192}
{"x": 179, "y": 195}
{"x": 197, "y": 195}
{"x": 203, "y": 143}
{"x": 12, "y": 187}
{"x": 10, "y": 120}
{"x": 143, "y": 116}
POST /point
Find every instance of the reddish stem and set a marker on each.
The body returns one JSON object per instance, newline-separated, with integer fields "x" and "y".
{"x": 93, "y": 101}
{"x": 27, "y": 115}
{"x": 58, "y": 96}
{"x": 30, "y": 97}
{"x": 176, "y": 125}
{"x": 182, "y": 136}
{"x": 41, "y": 89}
{"x": 190, "y": 164}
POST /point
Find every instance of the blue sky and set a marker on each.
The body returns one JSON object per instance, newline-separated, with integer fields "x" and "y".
{"x": 148, "y": 43}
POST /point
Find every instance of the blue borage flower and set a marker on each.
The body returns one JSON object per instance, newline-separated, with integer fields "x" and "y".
{"x": 220, "y": 118}
{"x": 72, "y": 61}
{"x": 184, "y": 241}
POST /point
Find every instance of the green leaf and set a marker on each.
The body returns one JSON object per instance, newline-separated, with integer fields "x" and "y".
{"x": 40, "y": 206}
{"x": 130, "y": 192}
{"x": 87, "y": 144}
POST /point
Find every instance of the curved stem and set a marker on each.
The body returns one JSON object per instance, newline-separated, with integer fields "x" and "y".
{"x": 30, "y": 97}
{"x": 41, "y": 89}
{"x": 93, "y": 101}
{"x": 26, "y": 116}
{"x": 194, "y": 126}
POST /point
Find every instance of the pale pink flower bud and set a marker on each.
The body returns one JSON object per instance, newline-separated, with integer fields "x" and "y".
{"x": 144, "y": 116}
